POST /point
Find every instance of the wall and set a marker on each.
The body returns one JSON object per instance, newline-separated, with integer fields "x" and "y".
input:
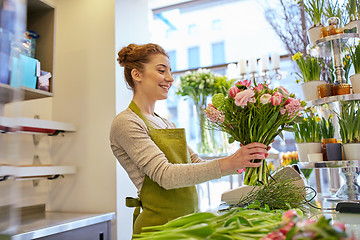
{"x": 131, "y": 26}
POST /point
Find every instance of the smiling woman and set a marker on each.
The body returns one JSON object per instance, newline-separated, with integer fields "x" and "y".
{"x": 155, "y": 153}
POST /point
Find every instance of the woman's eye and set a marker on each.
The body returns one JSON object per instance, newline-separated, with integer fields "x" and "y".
{"x": 162, "y": 71}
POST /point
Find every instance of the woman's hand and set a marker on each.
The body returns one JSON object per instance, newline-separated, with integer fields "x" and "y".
{"x": 243, "y": 156}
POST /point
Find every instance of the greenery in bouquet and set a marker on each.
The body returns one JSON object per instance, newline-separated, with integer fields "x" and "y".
{"x": 308, "y": 130}
{"x": 355, "y": 57}
{"x": 254, "y": 114}
{"x": 349, "y": 121}
{"x": 315, "y": 10}
{"x": 310, "y": 67}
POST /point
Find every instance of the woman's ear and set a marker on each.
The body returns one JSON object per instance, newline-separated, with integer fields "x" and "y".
{"x": 136, "y": 75}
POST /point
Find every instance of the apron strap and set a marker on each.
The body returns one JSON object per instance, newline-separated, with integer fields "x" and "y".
{"x": 137, "y": 110}
{"x": 134, "y": 202}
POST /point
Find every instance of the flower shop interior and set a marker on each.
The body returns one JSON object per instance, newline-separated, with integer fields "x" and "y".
{"x": 289, "y": 69}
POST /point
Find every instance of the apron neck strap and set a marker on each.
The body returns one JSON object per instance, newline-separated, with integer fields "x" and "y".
{"x": 137, "y": 110}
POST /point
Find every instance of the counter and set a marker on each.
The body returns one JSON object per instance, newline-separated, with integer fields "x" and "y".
{"x": 56, "y": 225}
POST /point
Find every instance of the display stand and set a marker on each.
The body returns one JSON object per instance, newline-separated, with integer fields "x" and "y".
{"x": 350, "y": 172}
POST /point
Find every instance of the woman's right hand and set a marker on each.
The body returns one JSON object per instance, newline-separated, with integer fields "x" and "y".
{"x": 243, "y": 156}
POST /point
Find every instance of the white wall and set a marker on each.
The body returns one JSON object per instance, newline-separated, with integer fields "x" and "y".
{"x": 131, "y": 26}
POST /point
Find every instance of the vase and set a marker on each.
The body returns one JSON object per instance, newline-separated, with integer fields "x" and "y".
{"x": 204, "y": 140}
{"x": 351, "y": 151}
{"x": 324, "y": 142}
{"x": 355, "y": 82}
{"x": 310, "y": 90}
{"x": 304, "y": 149}
{"x": 342, "y": 89}
{"x": 314, "y": 34}
{"x": 325, "y": 90}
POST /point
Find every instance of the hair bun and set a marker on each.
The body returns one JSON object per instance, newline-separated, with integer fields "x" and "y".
{"x": 124, "y": 52}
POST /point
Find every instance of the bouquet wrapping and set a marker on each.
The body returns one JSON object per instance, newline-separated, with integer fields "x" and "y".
{"x": 254, "y": 114}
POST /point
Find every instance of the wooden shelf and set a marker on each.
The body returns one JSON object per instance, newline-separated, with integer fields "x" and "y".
{"x": 35, "y": 171}
{"x": 10, "y": 94}
{"x": 31, "y": 125}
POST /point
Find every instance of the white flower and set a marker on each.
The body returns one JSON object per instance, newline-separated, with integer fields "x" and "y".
{"x": 265, "y": 98}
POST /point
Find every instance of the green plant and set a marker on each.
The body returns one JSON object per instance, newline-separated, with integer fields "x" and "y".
{"x": 327, "y": 128}
{"x": 333, "y": 9}
{"x": 349, "y": 121}
{"x": 353, "y": 9}
{"x": 355, "y": 57}
{"x": 310, "y": 67}
{"x": 346, "y": 67}
{"x": 309, "y": 129}
{"x": 315, "y": 9}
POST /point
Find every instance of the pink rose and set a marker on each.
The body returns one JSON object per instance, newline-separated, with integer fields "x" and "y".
{"x": 276, "y": 99}
{"x": 233, "y": 91}
{"x": 242, "y": 98}
{"x": 283, "y": 91}
{"x": 265, "y": 98}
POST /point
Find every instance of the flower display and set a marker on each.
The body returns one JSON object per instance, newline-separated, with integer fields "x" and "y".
{"x": 290, "y": 158}
{"x": 310, "y": 67}
{"x": 254, "y": 114}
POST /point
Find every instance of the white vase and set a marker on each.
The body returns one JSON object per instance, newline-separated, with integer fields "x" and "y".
{"x": 304, "y": 149}
{"x": 314, "y": 34}
{"x": 353, "y": 24}
{"x": 355, "y": 82}
{"x": 310, "y": 89}
{"x": 351, "y": 151}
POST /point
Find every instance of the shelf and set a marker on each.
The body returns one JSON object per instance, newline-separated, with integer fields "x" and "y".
{"x": 35, "y": 171}
{"x": 330, "y": 164}
{"x": 343, "y": 37}
{"x": 346, "y": 97}
{"x": 9, "y": 94}
{"x": 32, "y": 125}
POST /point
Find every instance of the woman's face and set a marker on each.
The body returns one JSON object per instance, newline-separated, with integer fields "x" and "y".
{"x": 155, "y": 80}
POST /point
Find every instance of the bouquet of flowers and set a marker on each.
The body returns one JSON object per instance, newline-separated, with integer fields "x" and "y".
{"x": 254, "y": 114}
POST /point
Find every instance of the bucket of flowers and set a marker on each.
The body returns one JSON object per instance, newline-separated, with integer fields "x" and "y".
{"x": 255, "y": 113}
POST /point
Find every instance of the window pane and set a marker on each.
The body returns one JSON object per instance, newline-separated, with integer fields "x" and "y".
{"x": 194, "y": 57}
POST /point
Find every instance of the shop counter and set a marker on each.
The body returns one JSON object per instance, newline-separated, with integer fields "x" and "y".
{"x": 62, "y": 225}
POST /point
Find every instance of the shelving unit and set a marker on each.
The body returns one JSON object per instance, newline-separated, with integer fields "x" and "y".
{"x": 331, "y": 99}
{"x": 23, "y": 172}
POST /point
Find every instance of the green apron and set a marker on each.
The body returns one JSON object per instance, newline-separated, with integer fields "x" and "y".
{"x": 158, "y": 204}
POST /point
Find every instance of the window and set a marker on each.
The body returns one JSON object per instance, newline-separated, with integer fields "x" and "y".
{"x": 192, "y": 29}
{"x": 216, "y": 25}
{"x": 194, "y": 57}
{"x": 218, "y": 53}
{"x": 172, "y": 56}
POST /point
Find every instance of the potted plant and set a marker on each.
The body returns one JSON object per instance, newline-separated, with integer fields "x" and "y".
{"x": 349, "y": 128}
{"x": 355, "y": 60}
{"x": 308, "y": 136}
{"x": 353, "y": 11}
{"x": 310, "y": 73}
{"x": 315, "y": 10}
{"x": 327, "y": 130}
{"x": 333, "y": 9}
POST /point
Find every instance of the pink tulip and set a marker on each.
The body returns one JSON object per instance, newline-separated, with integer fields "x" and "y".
{"x": 283, "y": 91}
{"x": 265, "y": 98}
{"x": 274, "y": 236}
{"x": 339, "y": 225}
{"x": 276, "y": 99}
{"x": 240, "y": 171}
{"x": 289, "y": 216}
{"x": 242, "y": 98}
{"x": 285, "y": 229}
{"x": 233, "y": 91}
{"x": 245, "y": 83}
{"x": 260, "y": 87}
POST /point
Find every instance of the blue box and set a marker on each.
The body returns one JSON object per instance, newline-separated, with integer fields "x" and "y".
{"x": 23, "y": 71}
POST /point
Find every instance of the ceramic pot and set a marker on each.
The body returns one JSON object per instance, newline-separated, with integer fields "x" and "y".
{"x": 304, "y": 149}
{"x": 353, "y": 24}
{"x": 342, "y": 89}
{"x": 355, "y": 82}
{"x": 314, "y": 34}
{"x": 310, "y": 90}
{"x": 325, "y": 90}
{"x": 351, "y": 151}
